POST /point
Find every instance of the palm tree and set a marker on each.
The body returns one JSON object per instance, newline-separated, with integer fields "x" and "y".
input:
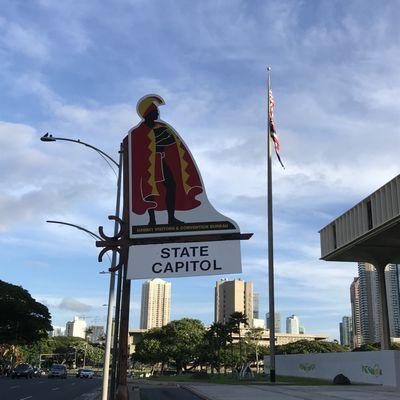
{"x": 235, "y": 320}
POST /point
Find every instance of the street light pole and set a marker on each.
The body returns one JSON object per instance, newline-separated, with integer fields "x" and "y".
{"x": 50, "y": 138}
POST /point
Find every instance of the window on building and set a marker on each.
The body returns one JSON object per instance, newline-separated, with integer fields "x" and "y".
{"x": 369, "y": 215}
{"x": 334, "y": 236}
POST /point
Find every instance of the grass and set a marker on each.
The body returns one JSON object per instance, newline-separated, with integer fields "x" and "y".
{"x": 233, "y": 380}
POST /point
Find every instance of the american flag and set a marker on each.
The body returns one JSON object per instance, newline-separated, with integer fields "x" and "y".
{"x": 272, "y": 130}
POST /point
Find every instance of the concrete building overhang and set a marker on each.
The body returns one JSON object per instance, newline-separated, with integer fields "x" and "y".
{"x": 380, "y": 245}
{"x": 367, "y": 232}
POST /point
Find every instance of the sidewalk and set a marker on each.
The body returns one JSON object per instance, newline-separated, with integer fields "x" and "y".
{"x": 272, "y": 392}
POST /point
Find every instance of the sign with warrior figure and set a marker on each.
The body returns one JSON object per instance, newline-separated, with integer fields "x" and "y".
{"x": 167, "y": 194}
{"x": 167, "y": 199}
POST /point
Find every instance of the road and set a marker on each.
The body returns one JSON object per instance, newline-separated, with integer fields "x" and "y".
{"x": 49, "y": 389}
{"x": 155, "y": 392}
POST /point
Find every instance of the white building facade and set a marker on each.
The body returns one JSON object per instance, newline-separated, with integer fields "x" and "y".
{"x": 293, "y": 325}
{"x": 156, "y": 304}
{"x": 76, "y": 328}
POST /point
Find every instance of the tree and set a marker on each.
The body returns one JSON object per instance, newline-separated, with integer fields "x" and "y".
{"x": 152, "y": 348}
{"x": 23, "y": 320}
{"x": 178, "y": 343}
{"x": 183, "y": 342}
{"x": 254, "y": 335}
{"x": 215, "y": 341}
{"x": 306, "y": 347}
{"x": 235, "y": 320}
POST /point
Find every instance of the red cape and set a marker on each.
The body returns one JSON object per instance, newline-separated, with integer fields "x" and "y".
{"x": 146, "y": 172}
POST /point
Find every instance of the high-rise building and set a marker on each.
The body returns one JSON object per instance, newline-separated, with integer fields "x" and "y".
{"x": 346, "y": 331}
{"x": 76, "y": 327}
{"x": 95, "y": 333}
{"x": 293, "y": 324}
{"x": 355, "y": 312}
{"x": 256, "y": 305}
{"x": 278, "y": 328}
{"x": 302, "y": 330}
{"x": 156, "y": 304}
{"x": 233, "y": 296}
{"x": 369, "y": 303}
{"x": 57, "y": 331}
{"x": 392, "y": 278}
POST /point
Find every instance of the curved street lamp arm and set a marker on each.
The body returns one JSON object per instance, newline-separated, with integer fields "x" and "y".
{"x": 50, "y": 138}
{"x": 77, "y": 227}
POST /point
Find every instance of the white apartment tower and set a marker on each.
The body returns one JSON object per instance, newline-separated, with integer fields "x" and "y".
{"x": 76, "y": 327}
{"x": 156, "y": 304}
{"x": 355, "y": 312}
{"x": 293, "y": 324}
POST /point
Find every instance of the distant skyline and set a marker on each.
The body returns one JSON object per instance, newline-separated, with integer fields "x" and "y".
{"x": 76, "y": 69}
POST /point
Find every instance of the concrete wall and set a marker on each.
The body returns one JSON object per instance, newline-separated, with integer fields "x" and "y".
{"x": 374, "y": 367}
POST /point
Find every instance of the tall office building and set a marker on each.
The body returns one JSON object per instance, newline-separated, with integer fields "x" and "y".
{"x": 293, "y": 324}
{"x": 355, "y": 312}
{"x": 369, "y": 302}
{"x": 233, "y": 296}
{"x": 156, "y": 304}
{"x": 392, "y": 278}
{"x": 346, "y": 331}
{"x": 76, "y": 327}
{"x": 277, "y": 322}
{"x": 256, "y": 305}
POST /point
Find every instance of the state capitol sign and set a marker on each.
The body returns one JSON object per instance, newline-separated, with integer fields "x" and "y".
{"x": 185, "y": 259}
{"x": 167, "y": 200}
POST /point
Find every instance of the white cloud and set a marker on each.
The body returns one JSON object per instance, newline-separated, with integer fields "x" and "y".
{"x": 70, "y": 304}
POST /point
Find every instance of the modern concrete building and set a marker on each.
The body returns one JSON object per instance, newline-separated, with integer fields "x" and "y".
{"x": 156, "y": 304}
{"x": 293, "y": 325}
{"x": 96, "y": 333}
{"x": 392, "y": 274}
{"x": 278, "y": 328}
{"x": 369, "y": 232}
{"x": 256, "y": 305}
{"x": 283, "y": 338}
{"x": 355, "y": 312}
{"x": 346, "y": 331}
{"x": 233, "y": 296}
{"x": 76, "y": 327}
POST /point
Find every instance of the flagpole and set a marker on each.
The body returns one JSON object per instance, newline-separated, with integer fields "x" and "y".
{"x": 271, "y": 294}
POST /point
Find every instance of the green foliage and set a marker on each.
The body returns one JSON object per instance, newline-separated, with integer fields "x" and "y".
{"x": 178, "y": 343}
{"x": 306, "y": 347}
{"x": 368, "y": 347}
{"x": 375, "y": 347}
{"x": 23, "y": 320}
{"x": 61, "y": 349}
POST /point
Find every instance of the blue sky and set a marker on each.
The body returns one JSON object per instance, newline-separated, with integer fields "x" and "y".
{"x": 76, "y": 69}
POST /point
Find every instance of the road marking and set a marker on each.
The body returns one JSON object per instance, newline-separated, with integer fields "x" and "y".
{"x": 72, "y": 384}
{"x": 56, "y": 388}
{"x": 25, "y": 398}
{"x": 14, "y": 387}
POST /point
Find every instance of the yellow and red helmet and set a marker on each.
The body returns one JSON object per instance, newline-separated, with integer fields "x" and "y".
{"x": 148, "y": 103}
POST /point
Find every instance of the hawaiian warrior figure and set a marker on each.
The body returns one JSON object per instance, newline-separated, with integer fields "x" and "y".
{"x": 164, "y": 174}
